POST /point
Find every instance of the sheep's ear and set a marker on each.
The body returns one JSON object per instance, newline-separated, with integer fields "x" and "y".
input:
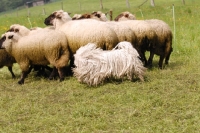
{"x": 58, "y": 16}
{"x": 94, "y": 13}
{"x": 10, "y": 30}
{"x": 119, "y": 16}
{"x": 126, "y": 15}
{"x": 10, "y": 37}
{"x": 16, "y": 30}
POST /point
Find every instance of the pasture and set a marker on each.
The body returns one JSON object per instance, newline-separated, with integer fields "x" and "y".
{"x": 168, "y": 100}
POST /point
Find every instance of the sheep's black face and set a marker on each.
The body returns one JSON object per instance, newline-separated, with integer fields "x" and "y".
{"x": 1, "y": 41}
{"x": 48, "y": 20}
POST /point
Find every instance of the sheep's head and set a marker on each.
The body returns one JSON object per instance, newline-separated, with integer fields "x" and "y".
{"x": 81, "y": 16}
{"x": 7, "y": 39}
{"x": 100, "y": 16}
{"x": 3, "y": 38}
{"x": 57, "y": 15}
{"x": 125, "y": 16}
{"x": 19, "y": 29}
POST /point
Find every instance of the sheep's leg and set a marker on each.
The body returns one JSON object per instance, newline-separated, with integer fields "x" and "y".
{"x": 161, "y": 61}
{"x": 142, "y": 56}
{"x": 150, "y": 60}
{"x": 168, "y": 56}
{"x": 53, "y": 73}
{"x": 71, "y": 65}
{"x": 30, "y": 69}
{"x": 23, "y": 76}
{"x": 61, "y": 74}
{"x": 48, "y": 68}
{"x": 10, "y": 69}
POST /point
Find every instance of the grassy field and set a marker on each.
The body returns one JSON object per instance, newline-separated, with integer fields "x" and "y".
{"x": 168, "y": 100}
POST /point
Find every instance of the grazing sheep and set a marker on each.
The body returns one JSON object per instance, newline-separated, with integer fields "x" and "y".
{"x": 125, "y": 16}
{"x": 24, "y": 31}
{"x": 45, "y": 47}
{"x": 93, "y": 65}
{"x": 6, "y": 60}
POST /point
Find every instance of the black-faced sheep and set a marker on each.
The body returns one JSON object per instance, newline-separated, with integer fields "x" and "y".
{"x": 45, "y": 47}
{"x": 93, "y": 65}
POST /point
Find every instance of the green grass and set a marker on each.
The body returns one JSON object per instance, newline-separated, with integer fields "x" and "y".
{"x": 168, "y": 100}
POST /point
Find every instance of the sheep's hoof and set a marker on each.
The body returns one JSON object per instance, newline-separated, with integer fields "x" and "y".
{"x": 61, "y": 79}
{"x": 20, "y": 82}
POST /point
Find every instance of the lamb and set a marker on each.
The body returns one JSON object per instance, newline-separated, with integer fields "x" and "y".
{"x": 93, "y": 65}
{"x": 6, "y": 60}
{"x": 163, "y": 42}
{"x": 45, "y": 47}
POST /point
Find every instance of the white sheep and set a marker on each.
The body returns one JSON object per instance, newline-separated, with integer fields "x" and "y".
{"x": 45, "y": 47}
{"x": 145, "y": 36}
{"x": 123, "y": 32}
{"x": 94, "y": 65}
{"x": 163, "y": 40}
{"x": 81, "y": 32}
{"x": 163, "y": 45}
{"x": 142, "y": 33}
{"x": 24, "y": 31}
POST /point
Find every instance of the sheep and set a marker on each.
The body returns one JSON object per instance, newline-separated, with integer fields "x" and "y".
{"x": 143, "y": 34}
{"x": 24, "y": 31}
{"x": 93, "y": 65}
{"x": 163, "y": 42}
{"x": 125, "y": 16}
{"x": 163, "y": 45}
{"x": 6, "y": 60}
{"x": 45, "y": 47}
{"x": 81, "y": 32}
{"x": 123, "y": 32}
